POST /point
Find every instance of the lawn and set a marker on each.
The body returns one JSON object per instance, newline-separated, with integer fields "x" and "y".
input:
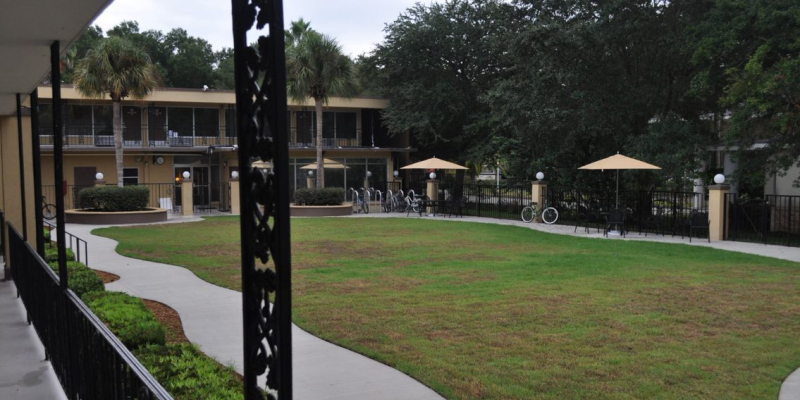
{"x": 480, "y": 311}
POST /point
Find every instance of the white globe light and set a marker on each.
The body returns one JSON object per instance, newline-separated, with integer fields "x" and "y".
{"x": 719, "y": 179}
{"x": 186, "y": 175}
{"x": 396, "y": 174}
{"x": 369, "y": 174}
{"x": 311, "y": 173}
{"x": 540, "y": 175}
{"x": 235, "y": 174}
{"x": 99, "y": 176}
{"x": 432, "y": 175}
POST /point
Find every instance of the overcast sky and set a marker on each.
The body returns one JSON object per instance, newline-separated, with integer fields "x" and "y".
{"x": 356, "y": 24}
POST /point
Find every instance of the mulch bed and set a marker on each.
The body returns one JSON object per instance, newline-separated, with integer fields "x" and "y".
{"x": 171, "y": 320}
{"x": 106, "y": 277}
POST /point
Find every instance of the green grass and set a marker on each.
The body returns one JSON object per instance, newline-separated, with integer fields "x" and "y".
{"x": 480, "y": 311}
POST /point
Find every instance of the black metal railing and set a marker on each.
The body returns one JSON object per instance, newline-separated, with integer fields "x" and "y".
{"x": 152, "y": 136}
{"x": 666, "y": 211}
{"x": 89, "y": 361}
{"x": 78, "y": 245}
{"x": 774, "y": 219}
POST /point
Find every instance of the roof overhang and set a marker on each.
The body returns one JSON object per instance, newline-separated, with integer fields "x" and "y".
{"x": 27, "y": 30}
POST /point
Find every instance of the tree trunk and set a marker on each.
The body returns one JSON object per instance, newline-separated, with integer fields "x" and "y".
{"x": 320, "y": 170}
{"x": 118, "y": 140}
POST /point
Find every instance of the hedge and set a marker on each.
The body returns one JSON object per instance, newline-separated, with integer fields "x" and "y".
{"x": 115, "y": 198}
{"x": 127, "y": 317}
{"x": 319, "y": 197}
{"x": 51, "y": 254}
{"x": 80, "y": 278}
{"x": 187, "y": 373}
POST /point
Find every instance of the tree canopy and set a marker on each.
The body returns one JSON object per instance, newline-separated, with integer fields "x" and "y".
{"x": 554, "y": 84}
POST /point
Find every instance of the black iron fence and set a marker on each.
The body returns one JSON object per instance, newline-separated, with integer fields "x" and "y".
{"x": 775, "y": 219}
{"x": 663, "y": 211}
{"x": 78, "y": 246}
{"x": 486, "y": 200}
{"x": 89, "y": 361}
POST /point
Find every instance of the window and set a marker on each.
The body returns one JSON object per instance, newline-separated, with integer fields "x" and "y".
{"x": 206, "y": 122}
{"x": 130, "y": 176}
{"x": 180, "y": 120}
{"x": 346, "y": 125}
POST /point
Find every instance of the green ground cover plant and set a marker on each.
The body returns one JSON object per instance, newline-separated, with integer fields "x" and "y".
{"x": 51, "y": 253}
{"x": 482, "y": 311}
{"x": 127, "y": 317}
{"x": 189, "y": 374}
{"x": 81, "y": 279}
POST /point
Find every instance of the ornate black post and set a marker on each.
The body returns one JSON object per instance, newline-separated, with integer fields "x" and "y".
{"x": 58, "y": 162}
{"x": 37, "y": 171}
{"x": 22, "y": 170}
{"x": 262, "y": 135}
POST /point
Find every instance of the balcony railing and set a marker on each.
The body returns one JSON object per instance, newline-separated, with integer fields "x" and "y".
{"x": 90, "y": 362}
{"x": 304, "y": 138}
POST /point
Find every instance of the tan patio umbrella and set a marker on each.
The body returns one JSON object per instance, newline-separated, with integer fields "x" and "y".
{"x": 326, "y": 163}
{"x": 618, "y": 162}
{"x": 262, "y": 165}
{"x": 434, "y": 163}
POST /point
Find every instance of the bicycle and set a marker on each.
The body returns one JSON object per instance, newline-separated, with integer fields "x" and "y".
{"x": 48, "y": 210}
{"x": 548, "y": 214}
{"x": 360, "y": 204}
{"x": 415, "y": 203}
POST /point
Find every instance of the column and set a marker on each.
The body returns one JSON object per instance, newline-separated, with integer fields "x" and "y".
{"x": 235, "y": 206}
{"x": 716, "y": 210}
{"x": 187, "y": 200}
{"x": 538, "y": 192}
{"x": 433, "y": 192}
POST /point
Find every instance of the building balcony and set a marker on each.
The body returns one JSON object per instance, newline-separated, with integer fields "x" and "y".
{"x": 202, "y": 136}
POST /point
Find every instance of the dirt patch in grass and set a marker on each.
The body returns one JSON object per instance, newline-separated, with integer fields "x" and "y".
{"x": 170, "y": 319}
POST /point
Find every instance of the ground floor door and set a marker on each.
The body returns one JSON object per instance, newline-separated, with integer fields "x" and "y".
{"x": 84, "y": 177}
{"x": 201, "y": 184}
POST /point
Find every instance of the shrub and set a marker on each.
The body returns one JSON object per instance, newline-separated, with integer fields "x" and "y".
{"x": 187, "y": 373}
{"x": 46, "y": 235}
{"x": 51, "y": 254}
{"x": 319, "y": 197}
{"x": 127, "y": 317}
{"x": 80, "y": 278}
{"x": 115, "y": 198}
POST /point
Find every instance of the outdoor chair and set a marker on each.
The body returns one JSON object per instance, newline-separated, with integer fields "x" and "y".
{"x": 586, "y": 218}
{"x": 453, "y": 206}
{"x": 615, "y": 218}
{"x": 699, "y": 220}
{"x": 654, "y": 222}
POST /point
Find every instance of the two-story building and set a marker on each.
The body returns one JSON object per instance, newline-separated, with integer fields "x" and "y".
{"x": 192, "y": 130}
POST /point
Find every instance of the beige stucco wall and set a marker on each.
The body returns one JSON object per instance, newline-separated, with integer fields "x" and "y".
{"x": 149, "y": 171}
{"x": 783, "y": 185}
{"x": 10, "y": 197}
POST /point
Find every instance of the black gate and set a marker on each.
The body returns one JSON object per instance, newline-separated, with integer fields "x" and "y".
{"x": 775, "y": 219}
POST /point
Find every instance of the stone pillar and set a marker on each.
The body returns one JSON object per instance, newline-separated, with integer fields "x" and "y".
{"x": 538, "y": 192}
{"x": 187, "y": 200}
{"x": 235, "y": 210}
{"x": 716, "y": 211}
{"x": 310, "y": 182}
{"x": 100, "y": 182}
{"x": 433, "y": 192}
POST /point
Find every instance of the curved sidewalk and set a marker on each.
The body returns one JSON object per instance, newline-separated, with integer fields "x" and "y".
{"x": 212, "y": 318}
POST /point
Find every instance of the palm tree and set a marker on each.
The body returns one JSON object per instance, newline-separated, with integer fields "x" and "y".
{"x": 296, "y": 32}
{"x": 118, "y": 68}
{"x": 316, "y": 68}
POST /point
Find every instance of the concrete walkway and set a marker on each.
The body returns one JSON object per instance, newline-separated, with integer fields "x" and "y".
{"x": 211, "y": 315}
{"x": 212, "y": 318}
{"x": 24, "y": 375}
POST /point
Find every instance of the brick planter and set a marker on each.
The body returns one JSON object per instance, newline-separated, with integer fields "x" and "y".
{"x": 115, "y": 218}
{"x": 320, "y": 211}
